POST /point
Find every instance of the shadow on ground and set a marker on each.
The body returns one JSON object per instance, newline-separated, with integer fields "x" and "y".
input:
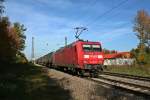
{"x": 29, "y": 82}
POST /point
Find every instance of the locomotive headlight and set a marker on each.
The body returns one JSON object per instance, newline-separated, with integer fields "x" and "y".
{"x": 86, "y": 56}
{"x": 100, "y": 56}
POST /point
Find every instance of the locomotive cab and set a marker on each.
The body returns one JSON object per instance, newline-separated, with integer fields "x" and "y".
{"x": 79, "y": 57}
{"x": 92, "y": 56}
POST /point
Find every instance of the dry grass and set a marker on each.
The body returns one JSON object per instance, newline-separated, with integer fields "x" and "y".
{"x": 143, "y": 70}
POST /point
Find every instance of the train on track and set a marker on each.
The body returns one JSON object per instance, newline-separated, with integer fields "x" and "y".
{"x": 80, "y": 58}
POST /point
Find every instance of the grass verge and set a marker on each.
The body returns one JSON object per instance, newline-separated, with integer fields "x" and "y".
{"x": 132, "y": 70}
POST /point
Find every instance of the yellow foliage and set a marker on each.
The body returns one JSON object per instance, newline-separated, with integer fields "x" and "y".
{"x": 141, "y": 58}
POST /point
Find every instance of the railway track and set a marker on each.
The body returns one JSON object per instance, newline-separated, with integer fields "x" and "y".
{"x": 128, "y": 76}
{"x": 136, "y": 84}
{"x": 129, "y": 82}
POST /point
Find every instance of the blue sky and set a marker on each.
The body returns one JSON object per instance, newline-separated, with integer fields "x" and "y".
{"x": 49, "y": 21}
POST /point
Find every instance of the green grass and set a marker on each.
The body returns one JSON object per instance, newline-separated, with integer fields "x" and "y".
{"x": 29, "y": 82}
{"x": 132, "y": 70}
{"x": 147, "y": 57}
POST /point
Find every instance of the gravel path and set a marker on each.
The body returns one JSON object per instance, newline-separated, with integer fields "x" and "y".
{"x": 82, "y": 89}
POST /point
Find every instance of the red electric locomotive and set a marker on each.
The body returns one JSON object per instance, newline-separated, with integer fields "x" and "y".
{"x": 80, "y": 57}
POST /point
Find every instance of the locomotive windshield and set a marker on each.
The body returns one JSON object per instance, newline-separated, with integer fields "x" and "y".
{"x": 91, "y": 48}
{"x": 87, "y": 47}
{"x": 96, "y": 48}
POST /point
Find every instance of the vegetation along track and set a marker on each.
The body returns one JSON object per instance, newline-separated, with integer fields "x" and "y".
{"x": 129, "y": 82}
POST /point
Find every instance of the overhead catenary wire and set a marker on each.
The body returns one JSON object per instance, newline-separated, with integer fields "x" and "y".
{"x": 92, "y": 4}
{"x": 80, "y": 29}
{"x": 87, "y": 8}
{"x": 106, "y": 12}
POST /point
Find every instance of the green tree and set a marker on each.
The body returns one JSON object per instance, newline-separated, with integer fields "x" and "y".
{"x": 20, "y": 29}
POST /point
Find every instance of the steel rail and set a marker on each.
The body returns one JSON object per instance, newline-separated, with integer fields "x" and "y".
{"x": 141, "y": 78}
{"x": 123, "y": 85}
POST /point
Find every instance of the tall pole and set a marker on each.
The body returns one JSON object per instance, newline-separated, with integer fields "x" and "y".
{"x": 32, "y": 55}
{"x": 65, "y": 41}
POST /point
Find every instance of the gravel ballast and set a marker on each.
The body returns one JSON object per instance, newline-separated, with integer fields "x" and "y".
{"x": 83, "y": 89}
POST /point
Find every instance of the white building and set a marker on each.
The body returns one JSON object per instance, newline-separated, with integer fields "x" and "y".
{"x": 122, "y": 58}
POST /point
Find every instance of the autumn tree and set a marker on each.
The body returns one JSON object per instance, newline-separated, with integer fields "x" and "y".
{"x": 113, "y": 51}
{"x": 106, "y": 51}
{"x": 142, "y": 27}
{"x": 8, "y": 41}
{"x": 19, "y": 30}
{"x": 12, "y": 40}
{"x": 148, "y": 32}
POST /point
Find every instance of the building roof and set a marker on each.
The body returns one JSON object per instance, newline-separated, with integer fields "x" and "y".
{"x": 117, "y": 55}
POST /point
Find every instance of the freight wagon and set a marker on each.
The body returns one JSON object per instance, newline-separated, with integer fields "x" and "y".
{"x": 45, "y": 60}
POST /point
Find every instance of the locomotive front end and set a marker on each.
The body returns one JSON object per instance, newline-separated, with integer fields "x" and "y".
{"x": 92, "y": 56}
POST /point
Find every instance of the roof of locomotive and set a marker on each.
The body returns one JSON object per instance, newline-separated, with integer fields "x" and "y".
{"x": 86, "y": 42}
{"x": 70, "y": 45}
{"x": 77, "y": 42}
